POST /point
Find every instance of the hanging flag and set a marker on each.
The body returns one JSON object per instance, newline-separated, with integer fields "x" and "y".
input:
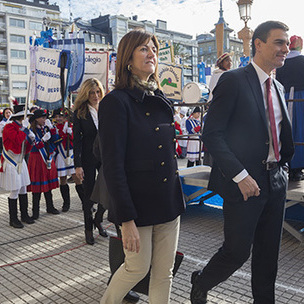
{"x": 45, "y": 77}
{"x": 77, "y": 48}
{"x": 244, "y": 61}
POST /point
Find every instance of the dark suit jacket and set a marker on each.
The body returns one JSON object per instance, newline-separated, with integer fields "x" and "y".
{"x": 138, "y": 156}
{"x": 235, "y": 131}
{"x": 84, "y": 135}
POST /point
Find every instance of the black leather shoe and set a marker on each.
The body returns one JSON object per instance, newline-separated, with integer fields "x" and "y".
{"x": 89, "y": 237}
{"x": 16, "y": 223}
{"x": 101, "y": 230}
{"x": 28, "y": 220}
{"x": 53, "y": 211}
{"x": 132, "y": 296}
{"x": 197, "y": 295}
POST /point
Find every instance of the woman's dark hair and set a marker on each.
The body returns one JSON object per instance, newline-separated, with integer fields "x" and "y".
{"x": 263, "y": 30}
{"x": 126, "y": 47}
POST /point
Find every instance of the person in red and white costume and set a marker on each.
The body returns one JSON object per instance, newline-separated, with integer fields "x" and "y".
{"x": 14, "y": 176}
{"x": 65, "y": 159}
{"x": 41, "y": 165}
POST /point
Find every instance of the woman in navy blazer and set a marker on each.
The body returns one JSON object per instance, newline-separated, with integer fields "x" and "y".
{"x": 85, "y": 124}
{"x": 140, "y": 170}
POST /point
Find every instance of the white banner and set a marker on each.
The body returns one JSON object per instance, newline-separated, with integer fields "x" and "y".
{"x": 45, "y": 77}
{"x": 97, "y": 66}
{"x": 170, "y": 78}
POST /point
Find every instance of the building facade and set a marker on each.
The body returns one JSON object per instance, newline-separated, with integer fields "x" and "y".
{"x": 19, "y": 20}
{"x": 207, "y": 48}
{"x": 118, "y": 25}
{"x": 22, "y": 19}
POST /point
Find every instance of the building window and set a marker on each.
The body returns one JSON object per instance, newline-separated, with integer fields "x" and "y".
{"x": 19, "y": 69}
{"x": 35, "y": 26}
{"x": 19, "y": 54}
{"x": 15, "y": 10}
{"x": 103, "y": 40}
{"x": 92, "y": 38}
{"x": 19, "y": 85}
{"x": 21, "y": 100}
{"x": 17, "y": 22}
{"x": 17, "y": 38}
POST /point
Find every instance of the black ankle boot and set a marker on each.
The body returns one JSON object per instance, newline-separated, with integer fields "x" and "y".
{"x": 23, "y": 203}
{"x": 36, "y": 205}
{"x": 98, "y": 220}
{"x": 89, "y": 237}
{"x": 101, "y": 230}
{"x": 49, "y": 203}
{"x": 190, "y": 164}
{"x": 12, "y": 207}
{"x": 65, "y": 193}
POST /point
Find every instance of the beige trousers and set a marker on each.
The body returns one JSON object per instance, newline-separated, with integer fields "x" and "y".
{"x": 158, "y": 244}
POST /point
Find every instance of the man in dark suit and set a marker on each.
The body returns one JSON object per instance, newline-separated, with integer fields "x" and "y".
{"x": 250, "y": 148}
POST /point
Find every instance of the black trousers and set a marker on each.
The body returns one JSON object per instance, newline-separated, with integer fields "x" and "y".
{"x": 88, "y": 185}
{"x": 254, "y": 225}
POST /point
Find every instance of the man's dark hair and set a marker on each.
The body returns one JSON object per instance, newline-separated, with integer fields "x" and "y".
{"x": 262, "y": 31}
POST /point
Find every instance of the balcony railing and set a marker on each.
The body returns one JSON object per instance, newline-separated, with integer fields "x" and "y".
{"x": 4, "y": 90}
{"x": 3, "y": 73}
{"x": 3, "y": 57}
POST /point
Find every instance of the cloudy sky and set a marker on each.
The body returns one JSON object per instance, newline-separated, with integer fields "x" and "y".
{"x": 191, "y": 16}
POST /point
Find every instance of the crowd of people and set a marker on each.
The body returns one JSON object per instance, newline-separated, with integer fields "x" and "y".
{"x": 38, "y": 156}
{"x": 246, "y": 131}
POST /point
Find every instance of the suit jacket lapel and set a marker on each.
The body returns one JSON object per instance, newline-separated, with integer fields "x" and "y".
{"x": 281, "y": 95}
{"x": 254, "y": 83}
{"x": 91, "y": 120}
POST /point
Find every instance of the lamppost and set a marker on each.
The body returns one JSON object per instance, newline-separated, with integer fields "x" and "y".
{"x": 246, "y": 33}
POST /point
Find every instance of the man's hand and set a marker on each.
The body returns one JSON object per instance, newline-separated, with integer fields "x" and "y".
{"x": 249, "y": 187}
{"x": 130, "y": 236}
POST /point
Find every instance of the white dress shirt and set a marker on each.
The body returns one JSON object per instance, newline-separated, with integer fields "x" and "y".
{"x": 277, "y": 114}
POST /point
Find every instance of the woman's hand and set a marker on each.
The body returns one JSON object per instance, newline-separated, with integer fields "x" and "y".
{"x": 130, "y": 236}
{"x": 79, "y": 173}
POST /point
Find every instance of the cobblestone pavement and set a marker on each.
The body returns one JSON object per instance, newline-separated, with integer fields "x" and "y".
{"x": 48, "y": 262}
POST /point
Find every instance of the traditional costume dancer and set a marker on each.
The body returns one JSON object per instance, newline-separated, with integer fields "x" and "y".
{"x": 65, "y": 159}
{"x": 41, "y": 164}
{"x": 14, "y": 176}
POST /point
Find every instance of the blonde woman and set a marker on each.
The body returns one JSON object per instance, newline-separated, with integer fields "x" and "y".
{"x": 85, "y": 126}
{"x": 140, "y": 170}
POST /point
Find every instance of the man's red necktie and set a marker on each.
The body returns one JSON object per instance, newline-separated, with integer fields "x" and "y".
{"x": 272, "y": 120}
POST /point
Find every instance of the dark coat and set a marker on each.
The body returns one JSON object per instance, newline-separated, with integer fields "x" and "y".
{"x": 84, "y": 135}
{"x": 291, "y": 74}
{"x": 236, "y": 133}
{"x": 138, "y": 156}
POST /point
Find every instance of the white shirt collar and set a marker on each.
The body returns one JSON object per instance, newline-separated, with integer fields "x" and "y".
{"x": 261, "y": 74}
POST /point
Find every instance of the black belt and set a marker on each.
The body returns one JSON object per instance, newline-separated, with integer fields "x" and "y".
{"x": 271, "y": 165}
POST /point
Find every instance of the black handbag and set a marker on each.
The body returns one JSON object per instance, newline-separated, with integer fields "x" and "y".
{"x": 117, "y": 256}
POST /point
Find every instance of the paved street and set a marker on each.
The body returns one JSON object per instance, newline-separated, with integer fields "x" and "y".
{"x": 48, "y": 262}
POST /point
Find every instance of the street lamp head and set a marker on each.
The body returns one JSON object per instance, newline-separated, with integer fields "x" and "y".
{"x": 245, "y": 10}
